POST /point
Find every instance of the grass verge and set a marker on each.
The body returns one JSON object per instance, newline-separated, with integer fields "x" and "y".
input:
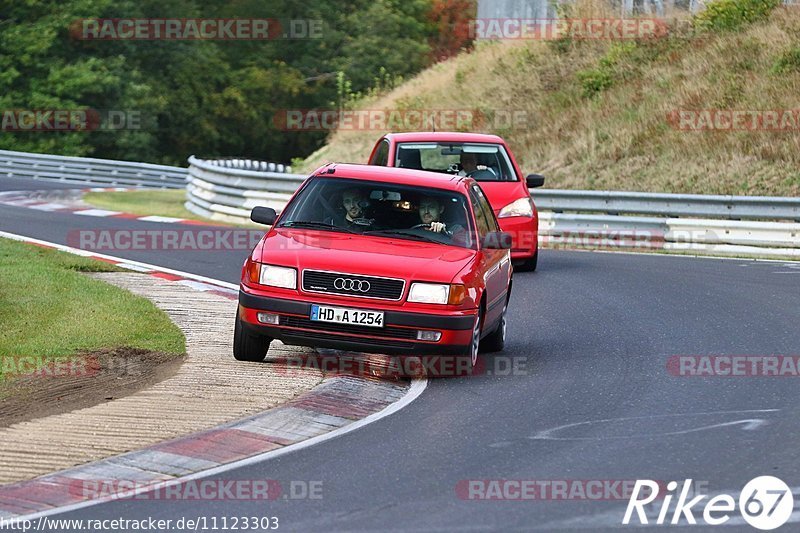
{"x": 165, "y": 203}
{"x": 49, "y": 310}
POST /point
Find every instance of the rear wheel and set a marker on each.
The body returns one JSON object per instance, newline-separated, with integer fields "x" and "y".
{"x": 496, "y": 340}
{"x": 248, "y": 347}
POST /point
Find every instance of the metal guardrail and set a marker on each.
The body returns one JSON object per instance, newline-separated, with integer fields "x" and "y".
{"x": 732, "y": 225}
{"x": 670, "y": 205}
{"x": 249, "y": 164}
{"x": 224, "y": 191}
{"x": 90, "y": 170}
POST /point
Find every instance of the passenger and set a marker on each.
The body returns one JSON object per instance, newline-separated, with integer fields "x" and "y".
{"x": 353, "y": 211}
{"x": 351, "y": 201}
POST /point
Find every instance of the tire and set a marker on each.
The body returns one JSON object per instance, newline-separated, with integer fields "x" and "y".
{"x": 471, "y": 352}
{"x": 248, "y": 347}
{"x": 529, "y": 265}
{"x": 496, "y": 340}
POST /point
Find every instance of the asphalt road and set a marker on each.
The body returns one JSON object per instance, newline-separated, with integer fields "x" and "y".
{"x": 590, "y": 334}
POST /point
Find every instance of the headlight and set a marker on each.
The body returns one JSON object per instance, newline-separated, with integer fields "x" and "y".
{"x": 436, "y": 293}
{"x": 429, "y": 293}
{"x": 518, "y": 208}
{"x": 276, "y": 276}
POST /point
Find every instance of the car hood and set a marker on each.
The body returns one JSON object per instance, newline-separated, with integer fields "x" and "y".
{"x": 359, "y": 254}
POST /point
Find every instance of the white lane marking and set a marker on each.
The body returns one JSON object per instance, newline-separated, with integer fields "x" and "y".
{"x": 50, "y": 207}
{"x": 748, "y": 424}
{"x": 155, "y": 218}
{"x": 202, "y": 287}
{"x": 676, "y": 255}
{"x": 135, "y": 268}
{"x": 417, "y": 387}
{"x": 97, "y": 213}
{"x": 22, "y": 202}
{"x": 119, "y": 260}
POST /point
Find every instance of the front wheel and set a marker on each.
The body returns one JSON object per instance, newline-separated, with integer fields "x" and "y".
{"x": 471, "y": 351}
{"x": 529, "y": 265}
{"x": 496, "y": 340}
{"x": 248, "y": 347}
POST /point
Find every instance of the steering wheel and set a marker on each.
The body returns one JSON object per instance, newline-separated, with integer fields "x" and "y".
{"x": 445, "y": 231}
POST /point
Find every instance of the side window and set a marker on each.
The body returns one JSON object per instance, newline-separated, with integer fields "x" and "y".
{"x": 487, "y": 209}
{"x": 480, "y": 215}
{"x": 381, "y": 156}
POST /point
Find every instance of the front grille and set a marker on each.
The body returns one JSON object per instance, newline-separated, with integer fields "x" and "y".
{"x": 387, "y": 331}
{"x": 349, "y": 284}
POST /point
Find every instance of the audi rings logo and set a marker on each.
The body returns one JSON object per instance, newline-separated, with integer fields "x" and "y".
{"x": 347, "y": 284}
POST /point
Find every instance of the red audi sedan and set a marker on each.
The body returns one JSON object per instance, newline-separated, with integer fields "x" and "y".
{"x": 378, "y": 260}
{"x": 487, "y": 159}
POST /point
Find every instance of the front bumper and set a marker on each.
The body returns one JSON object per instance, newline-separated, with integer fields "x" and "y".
{"x": 524, "y": 236}
{"x": 397, "y": 337}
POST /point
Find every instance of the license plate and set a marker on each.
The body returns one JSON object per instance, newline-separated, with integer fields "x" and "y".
{"x": 342, "y": 315}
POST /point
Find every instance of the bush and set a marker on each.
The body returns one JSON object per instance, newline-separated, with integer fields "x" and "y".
{"x": 595, "y": 80}
{"x": 722, "y": 15}
{"x": 601, "y": 78}
{"x": 787, "y": 62}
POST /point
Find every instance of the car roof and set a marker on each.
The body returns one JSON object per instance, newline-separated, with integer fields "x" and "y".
{"x": 437, "y": 136}
{"x": 394, "y": 175}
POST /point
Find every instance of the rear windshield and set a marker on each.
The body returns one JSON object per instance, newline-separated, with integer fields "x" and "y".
{"x": 481, "y": 161}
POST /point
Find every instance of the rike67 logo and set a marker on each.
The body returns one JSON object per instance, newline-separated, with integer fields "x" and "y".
{"x": 765, "y": 503}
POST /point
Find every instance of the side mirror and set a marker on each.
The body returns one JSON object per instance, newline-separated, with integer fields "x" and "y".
{"x": 534, "y": 180}
{"x": 497, "y": 240}
{"x": 263, "y": 215}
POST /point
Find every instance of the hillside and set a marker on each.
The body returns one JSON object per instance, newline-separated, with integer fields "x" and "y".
{"x": 602, "y": 114}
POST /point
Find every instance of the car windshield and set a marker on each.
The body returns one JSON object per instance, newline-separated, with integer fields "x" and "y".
{"x": 481, "y": 161}
{"x": 380, "y": 209}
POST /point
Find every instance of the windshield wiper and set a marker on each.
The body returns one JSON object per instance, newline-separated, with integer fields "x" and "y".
{"x": 313, "y": 224}
{"x": 404, "y": 233}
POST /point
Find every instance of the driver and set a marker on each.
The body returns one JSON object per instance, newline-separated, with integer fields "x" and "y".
{"x": 471, "y": 167}
{"x": 430, "y": 211}
{"x": 469, "y": 163}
